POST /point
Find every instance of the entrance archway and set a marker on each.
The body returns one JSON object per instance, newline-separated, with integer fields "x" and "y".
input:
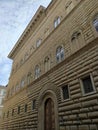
{"x": 48, "y": 111}
{"x": 49, "y": 115}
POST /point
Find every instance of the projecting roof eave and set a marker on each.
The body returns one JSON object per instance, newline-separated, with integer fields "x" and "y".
{"x": 40, "y": 10}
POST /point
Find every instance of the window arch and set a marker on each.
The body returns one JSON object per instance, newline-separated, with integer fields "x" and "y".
{"x": 77, "y": 38}
{"x": 75, "y": 35}
{"x": 38, "y": 42}
{"x": 33, "y": 104}
{"x": 37, "y": 71}
{"x": 60, "y": 54}
{"x": 47, "y": 63}
{"x": 57, "y": 22}
{"x": 22, "y": 82}
{"x": 95, "y": 22}
{"x": 29, "y": 77}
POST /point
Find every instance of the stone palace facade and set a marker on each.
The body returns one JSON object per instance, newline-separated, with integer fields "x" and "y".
{"x": 54, "y": 79}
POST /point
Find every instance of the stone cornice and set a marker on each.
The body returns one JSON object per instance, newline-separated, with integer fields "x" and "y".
{"x": 50, "y": 5}
{"x": 41, "y": 10}
{"x": 30, "y": 26}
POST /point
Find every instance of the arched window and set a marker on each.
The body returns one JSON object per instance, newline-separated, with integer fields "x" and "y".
{"x": 22, "y": 82}
{"x": 37, "y": 71}
{"x": 33, "y": 104}
{"x": 38, "y": 42}
{"x": 76, "y": 37}
{"x": 60, "y": 54}
{"x": 57, "y": 22}
{"x": 95, "y": 22}
{"x": 77, "y": 41}
{"x": 29, "y": 77}
{"x": 47, "y": 64}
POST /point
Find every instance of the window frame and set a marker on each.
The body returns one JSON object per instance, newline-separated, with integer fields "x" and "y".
{"x": 33, "y": 105}
{"x": 29, "y": 78}
{"x": 82, "y": 87}
{"x": 57, "y": 21}
{"x": 25, "y": 108}
{"x": 18, "y": 110}
{"x": 62, "y": 95}
{"x": 75, "y": 35}
{"x": 13, "y": 111}
{"x": 47, "y": 64}
{"x": 22, "y": 83}
{"x": 37, "y": 71}
{"x": 59, "y": 54}
{"x": 38, "y": 42}
{"x": 95, "y": 18}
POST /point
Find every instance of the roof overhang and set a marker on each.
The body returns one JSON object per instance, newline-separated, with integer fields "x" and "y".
{"x": 37, "y": 15}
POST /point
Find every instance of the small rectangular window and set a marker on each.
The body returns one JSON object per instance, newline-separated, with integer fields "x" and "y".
{"x": 65, "y": 91}
{"x": 57, "y": 22}
{"x": 87, "y": 84}
{"x": 38, "y": 42}
{"x": 33, "y": 104}
{"x": 12, "y": 112}
{"x": 25, "y": 108}
{"x": 18, "y": 110}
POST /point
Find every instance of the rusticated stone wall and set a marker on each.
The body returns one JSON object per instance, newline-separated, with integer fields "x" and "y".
{"x": 80, "y": 111}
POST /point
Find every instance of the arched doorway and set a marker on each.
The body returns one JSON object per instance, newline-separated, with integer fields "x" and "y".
{"x": 49, "y": 115}
{"x": 47, "y": 104}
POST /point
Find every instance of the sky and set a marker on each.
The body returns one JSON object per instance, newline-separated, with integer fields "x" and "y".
{"x": 14, "y": 17}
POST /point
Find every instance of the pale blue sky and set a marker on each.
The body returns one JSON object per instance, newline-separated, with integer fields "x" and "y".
{"x": 14, "y": 17}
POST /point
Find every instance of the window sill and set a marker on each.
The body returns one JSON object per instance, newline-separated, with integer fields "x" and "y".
{"x": 65, "y": 100}
{"x": 88, "y": 94}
